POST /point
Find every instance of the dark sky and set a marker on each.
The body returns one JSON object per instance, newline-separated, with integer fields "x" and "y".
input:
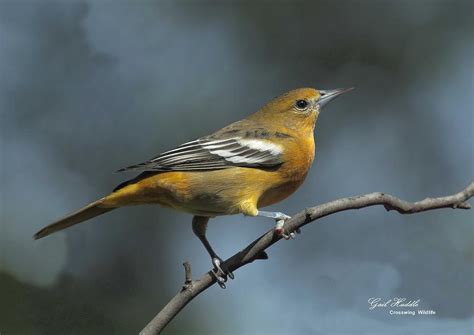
{"x": 91, "y": 86}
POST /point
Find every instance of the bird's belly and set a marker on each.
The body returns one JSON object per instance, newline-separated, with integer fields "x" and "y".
{"x": 278, "y": 193}
{"x": 207, "y": 193}
{"x": 211, "y": 193}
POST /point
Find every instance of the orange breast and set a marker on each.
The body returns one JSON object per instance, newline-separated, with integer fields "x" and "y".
{"x": 298, "y": 159}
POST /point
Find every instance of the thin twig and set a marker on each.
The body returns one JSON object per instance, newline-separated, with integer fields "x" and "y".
{"x": 256, "y": 249}
{"x": 188, "y": 277}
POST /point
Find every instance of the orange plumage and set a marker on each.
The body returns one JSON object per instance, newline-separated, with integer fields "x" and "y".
{"x": 249, "y": 164}
{"x": 237, "y": 189}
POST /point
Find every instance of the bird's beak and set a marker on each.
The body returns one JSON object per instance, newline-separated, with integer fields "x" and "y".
{"x": 329, "y": 95}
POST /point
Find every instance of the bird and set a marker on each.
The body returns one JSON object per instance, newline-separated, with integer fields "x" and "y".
{"x": 247, "y": 165}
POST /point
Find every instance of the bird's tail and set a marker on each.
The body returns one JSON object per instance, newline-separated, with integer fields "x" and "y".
{"x": 92, "y": 210}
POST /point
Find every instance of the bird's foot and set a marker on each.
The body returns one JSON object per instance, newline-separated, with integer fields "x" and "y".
{"x": 219, "y": 273}
{"x": 280, "y": 230}
{"x": 280, "y": 219}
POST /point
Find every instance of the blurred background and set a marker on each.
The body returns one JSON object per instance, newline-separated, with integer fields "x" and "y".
{"x": 92, "y": 86}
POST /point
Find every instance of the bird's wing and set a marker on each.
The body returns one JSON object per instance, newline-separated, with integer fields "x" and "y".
{"x": 211, "y": 154}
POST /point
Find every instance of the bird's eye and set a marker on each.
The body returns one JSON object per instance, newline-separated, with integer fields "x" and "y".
{"x": 301, "y": 104}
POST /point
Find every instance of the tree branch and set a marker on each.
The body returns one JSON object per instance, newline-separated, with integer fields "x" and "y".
{"x": 256, "y": 249}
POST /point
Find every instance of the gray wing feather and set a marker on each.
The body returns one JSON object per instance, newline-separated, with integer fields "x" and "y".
{"x": 210, "y": 154}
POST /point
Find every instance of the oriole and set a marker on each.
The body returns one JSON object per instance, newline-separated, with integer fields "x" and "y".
{"x": 249, "y": 164}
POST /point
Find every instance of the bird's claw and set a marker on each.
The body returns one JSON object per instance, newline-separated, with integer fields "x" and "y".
{"x": 219, "y": 274}
{"x": 220, "y": 280}
{"x": 280, "y": 230}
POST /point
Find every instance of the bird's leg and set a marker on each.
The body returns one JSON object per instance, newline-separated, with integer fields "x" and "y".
{"x": 199, "y": 229}
{"x": 280, "y": 221}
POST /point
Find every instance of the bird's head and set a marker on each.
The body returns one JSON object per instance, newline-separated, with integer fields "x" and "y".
{"x": 297, "y": 109}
